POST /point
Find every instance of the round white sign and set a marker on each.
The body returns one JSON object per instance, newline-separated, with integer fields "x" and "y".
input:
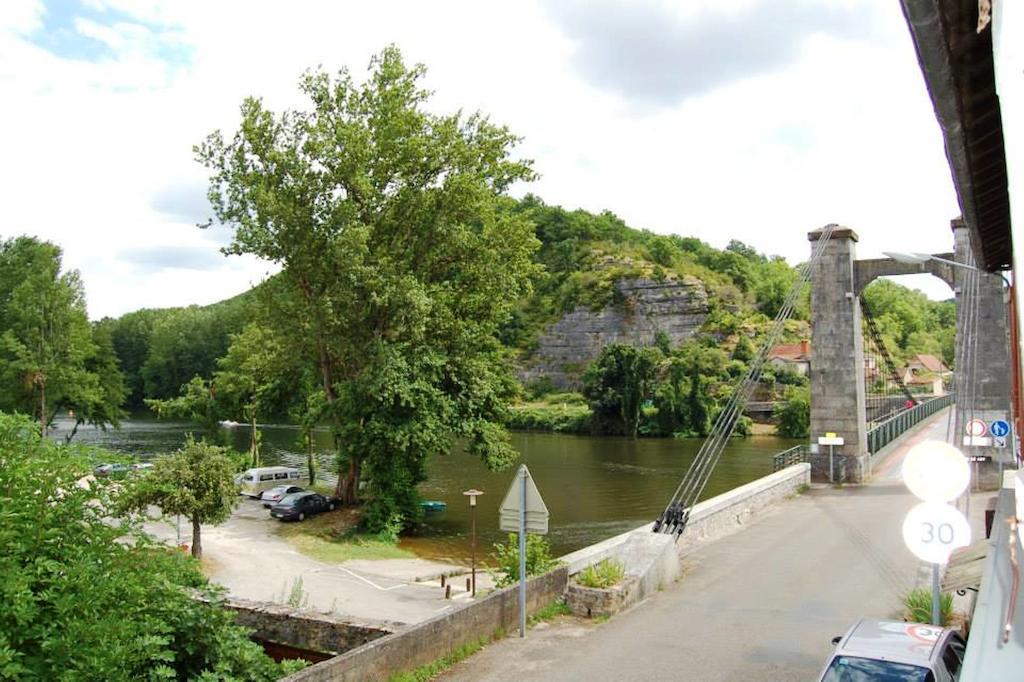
{"x": 976, "y": 428}
{"x": 935, "y": 471}
{"x": 932, "y": 530}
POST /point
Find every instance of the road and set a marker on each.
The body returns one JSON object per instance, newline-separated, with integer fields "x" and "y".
{"x": 759, "y": 605}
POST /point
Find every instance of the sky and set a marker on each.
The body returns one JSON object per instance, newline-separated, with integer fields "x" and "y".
{"x": 757, "y": 120}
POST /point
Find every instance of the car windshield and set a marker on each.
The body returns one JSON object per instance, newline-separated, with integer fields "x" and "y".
{"x": 856, "y": 669}
{"x": 291, "y": 500}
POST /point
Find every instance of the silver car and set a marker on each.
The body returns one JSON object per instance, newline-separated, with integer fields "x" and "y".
{"x": 893, "y": 650}
{"x": 277, "y": 493}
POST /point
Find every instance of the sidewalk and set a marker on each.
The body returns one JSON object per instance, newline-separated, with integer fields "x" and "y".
{"x": 763, "y": 604}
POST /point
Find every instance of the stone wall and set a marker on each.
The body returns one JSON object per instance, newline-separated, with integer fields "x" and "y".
{"x": 427, "y": 641}
{"x": 305, "y": 629}
{"x": 676, "y": 307}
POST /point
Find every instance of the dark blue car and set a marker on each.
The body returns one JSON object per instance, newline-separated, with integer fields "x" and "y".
{"x": 299, "y": 506}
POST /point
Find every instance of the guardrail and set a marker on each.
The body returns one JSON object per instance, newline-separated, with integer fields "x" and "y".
{"x": 892, "y": 428}
{"x": 878, "y": 437}
{"x": 794, "y": 455}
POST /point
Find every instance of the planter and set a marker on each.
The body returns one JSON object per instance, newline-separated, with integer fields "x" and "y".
{"x": 592, "y": 602}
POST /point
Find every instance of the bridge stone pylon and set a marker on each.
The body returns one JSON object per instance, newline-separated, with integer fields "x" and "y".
{"x": 838, "y": 394}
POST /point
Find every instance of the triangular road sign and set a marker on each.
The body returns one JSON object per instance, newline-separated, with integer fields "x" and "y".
{"x": 536, "y": 510}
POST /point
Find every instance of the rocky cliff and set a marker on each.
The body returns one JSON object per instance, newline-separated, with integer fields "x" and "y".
{"x": 645, "y": 307}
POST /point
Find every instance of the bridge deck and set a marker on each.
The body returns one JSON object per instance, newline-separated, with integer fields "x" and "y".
{"x": 760, "y": 605}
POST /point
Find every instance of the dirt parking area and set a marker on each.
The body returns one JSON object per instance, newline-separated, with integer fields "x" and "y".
{"x": 248, "y": 557}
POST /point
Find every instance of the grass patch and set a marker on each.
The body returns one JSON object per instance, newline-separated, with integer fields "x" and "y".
{"x": 602, "y": 574}
{"x": 599, "y": 619}
{"x": 918, "y": 603}
{"x": 550, "y": 612}
{"x": 435, "y": 668}
{"x": 332, "y": 538}
{"x": 802, "y": 489}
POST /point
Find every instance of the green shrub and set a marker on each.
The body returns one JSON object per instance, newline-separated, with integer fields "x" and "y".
{"x": 568, "y": 418}
{"x": 918, "y": 603}
{"x": 538, "y": 558}
{"x": 603, "y": 574}
{"x": 793, "y": 416}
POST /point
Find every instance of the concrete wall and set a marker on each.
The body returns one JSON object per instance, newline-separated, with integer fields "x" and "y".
{"x": 439, "y": 636}
{"x": 305, "y": 629}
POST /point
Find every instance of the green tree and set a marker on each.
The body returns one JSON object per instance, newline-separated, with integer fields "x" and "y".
{"x": 49, "y": 357}
{"x": 793, "y": 415}
{"x": 697, "y": 403}
{"x": 249, "y": 378}
{"x": 196, "y": 482}
{"x": 88, "y": 596}
{"x": 196, "y": 403}
{"x": 538, "y": 558}
{"x": 618, "y": 382}
{"x": 399, "y": 261}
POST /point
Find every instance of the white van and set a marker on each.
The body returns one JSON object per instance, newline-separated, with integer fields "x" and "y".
{"x": 254, "y": 481}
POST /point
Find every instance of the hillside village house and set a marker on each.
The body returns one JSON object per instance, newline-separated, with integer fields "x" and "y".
{"x": 926, "y": 374}
{"x": 795, "y": 357}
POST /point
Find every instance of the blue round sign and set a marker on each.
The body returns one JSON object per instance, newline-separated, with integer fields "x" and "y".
{"x": 999, "y": 428}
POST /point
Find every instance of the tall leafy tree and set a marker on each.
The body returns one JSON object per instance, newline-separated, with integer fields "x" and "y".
{"x": 49, "y": 357}
{"x": 618, "y": 382}
{"x": 196, "y": 482}
{"x": 400, "y": 258}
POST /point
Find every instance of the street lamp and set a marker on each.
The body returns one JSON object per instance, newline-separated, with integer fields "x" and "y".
{"x": 473, "y": 493}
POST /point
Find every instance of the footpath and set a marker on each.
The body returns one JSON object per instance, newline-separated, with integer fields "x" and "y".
{"x": 762, "y": 604}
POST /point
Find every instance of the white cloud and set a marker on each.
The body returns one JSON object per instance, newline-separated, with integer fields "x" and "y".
{"x": 98, "y": 151}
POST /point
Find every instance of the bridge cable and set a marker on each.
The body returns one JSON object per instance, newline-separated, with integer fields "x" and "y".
{"x": 674, "y": 518}
{"x": 881, "y": 349}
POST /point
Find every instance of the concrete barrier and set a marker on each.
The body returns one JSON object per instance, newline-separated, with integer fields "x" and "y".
{"x": 427, "y": 641}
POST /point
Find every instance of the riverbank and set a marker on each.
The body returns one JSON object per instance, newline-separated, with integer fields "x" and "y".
{"x": 569, "y": 413}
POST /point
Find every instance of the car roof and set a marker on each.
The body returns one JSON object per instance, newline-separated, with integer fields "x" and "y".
{"x": 891, "y": 640}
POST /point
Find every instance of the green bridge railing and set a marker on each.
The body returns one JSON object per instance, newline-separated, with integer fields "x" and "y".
{"x": 878, "y": 437}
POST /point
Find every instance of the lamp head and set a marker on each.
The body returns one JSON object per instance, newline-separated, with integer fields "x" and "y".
{"x": 908, "y": 258}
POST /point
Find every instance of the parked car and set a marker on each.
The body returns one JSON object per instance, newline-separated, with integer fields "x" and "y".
{"x": 254, "y": 482}
{"x": 114, "y": 470}
{"x": 142, "y": 466}
{"x": 891, "y": 650}
{"x": 298, "y": 506}
{"x": 279, "y": 492}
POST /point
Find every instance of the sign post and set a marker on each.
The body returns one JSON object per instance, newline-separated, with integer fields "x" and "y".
{"x": 831, "y": 440}
{"x": 523, "y": 510}
{"x": 937, "y": 473}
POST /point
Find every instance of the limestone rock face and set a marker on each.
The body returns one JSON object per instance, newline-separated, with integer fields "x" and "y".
{"x": 677, "y": 307}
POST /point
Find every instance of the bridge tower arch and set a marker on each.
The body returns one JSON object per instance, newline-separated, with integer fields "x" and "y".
{"x": 838, "y": 394}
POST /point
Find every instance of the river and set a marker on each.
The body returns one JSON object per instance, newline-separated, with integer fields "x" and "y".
{"x": 594, "y": 487}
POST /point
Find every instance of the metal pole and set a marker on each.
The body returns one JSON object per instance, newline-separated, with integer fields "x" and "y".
{"x": 936, "y": 617}
{"x": 474, "y": 551}
{"x": 522, "y": 559}
{"x": 831, "y": 466}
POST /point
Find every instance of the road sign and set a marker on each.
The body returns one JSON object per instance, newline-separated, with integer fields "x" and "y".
{"x": 978, "y": 441}
{"x": 998, "y": 442}
{"x": 830, "y": 439}
{"x": 999, "y": 428}
{"x": 976, "y": 428}
{"x": 935, "y": 471}
{"x": 536, "y": 510}
{"x": 932, "y": 530}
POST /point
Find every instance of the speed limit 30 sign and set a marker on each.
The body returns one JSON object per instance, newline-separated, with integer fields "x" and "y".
{"x": 932, "y": 530}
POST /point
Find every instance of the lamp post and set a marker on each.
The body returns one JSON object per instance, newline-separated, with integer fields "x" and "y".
{"x": 472, "y": 493}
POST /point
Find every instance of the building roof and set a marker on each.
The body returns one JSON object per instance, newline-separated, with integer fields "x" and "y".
{"x": 929, "y": 362}
{"x": 793, "y": 352}
{"x": 955, "y": 53}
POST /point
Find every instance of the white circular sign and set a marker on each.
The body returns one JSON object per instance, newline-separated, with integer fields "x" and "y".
{"x": 935, "y": 471}
{"x": 932, "y": 530}
{"x": 976, "y": 428}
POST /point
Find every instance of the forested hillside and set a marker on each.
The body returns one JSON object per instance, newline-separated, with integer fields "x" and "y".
{"x": 582, "y": 256}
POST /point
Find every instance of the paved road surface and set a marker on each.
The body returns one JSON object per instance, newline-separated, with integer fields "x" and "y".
{"x": 760, "y": 605}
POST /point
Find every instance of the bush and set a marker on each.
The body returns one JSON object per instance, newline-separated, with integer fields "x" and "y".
{"x": 538, "y": 558}
{"x": 571, "y": 418}
{"x": 918, "y": 603}
{"x": 603, "y": 574}
{"x": 793, "y": 417}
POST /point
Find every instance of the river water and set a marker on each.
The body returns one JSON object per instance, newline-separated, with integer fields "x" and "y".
{"x": 594, "y": 487}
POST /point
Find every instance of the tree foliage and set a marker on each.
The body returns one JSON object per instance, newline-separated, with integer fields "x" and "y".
{"x": 538, "y": 558}
{"x": 618, "y": 383}
{"x": 399, "y": 260}
{"x": 88, "y": 596}
{"x": 51, "y": 359}
{"x": 793, "y": 414}
{"x": 196, "y": 482}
